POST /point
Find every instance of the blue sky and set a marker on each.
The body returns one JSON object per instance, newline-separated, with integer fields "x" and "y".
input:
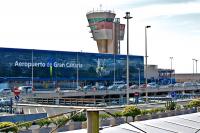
{"x": 62, "y": 25}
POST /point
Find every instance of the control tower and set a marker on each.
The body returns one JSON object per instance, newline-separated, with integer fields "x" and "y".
{"x": 106, "y": 30}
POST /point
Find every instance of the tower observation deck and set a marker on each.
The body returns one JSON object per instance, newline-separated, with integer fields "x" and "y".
{"x": 106, "y": 30}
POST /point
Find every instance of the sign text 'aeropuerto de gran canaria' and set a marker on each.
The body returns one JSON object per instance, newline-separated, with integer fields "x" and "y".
{"x": 42, "y": 64}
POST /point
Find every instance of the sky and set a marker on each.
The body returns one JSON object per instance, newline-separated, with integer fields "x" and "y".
{"x": 62, "y": 25}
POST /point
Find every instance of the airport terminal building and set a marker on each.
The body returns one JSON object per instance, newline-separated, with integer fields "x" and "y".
{"x": 48, "y": 69}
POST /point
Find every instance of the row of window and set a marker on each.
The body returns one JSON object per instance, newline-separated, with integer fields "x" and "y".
{"x": 94, "y": 20}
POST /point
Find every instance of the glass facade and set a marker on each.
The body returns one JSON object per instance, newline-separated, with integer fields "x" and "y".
{"x": 95, "y": 20}
{"x": 22, "y": 64}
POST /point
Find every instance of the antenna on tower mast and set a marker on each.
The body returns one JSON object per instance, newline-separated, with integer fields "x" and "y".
{"x": 100, "y": 7}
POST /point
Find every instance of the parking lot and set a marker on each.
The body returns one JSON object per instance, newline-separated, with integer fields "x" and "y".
{"x": 49, "y": 110}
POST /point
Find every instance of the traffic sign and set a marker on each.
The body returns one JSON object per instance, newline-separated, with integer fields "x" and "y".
{"x": 173, "y": 94}
{"x": 17, "y": 98}
{"x": 16, "y": 91}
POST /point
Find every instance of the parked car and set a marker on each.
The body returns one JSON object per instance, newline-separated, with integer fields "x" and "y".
{"x": 134, "y": 87}
{"x": 87, "y": 87}
{"x": 90, "y": 105}
{"x": 79, "y": 88}
{"x": 164, "y": 87}
{"x": 5, "y": 102}
{"x": 6, "y": 91}
{"x": 101, "y": 87}
{"x": 195, "y": 84}
{"x": 101, "y": 105}
{"x": 121, "y": 86}
{"x": 178, "y": 85}
{"x": 187, "y": 84}
{"x": 170, "y": 85}
{"x": 25, "y": 89}
{"x": 142, "y": 86}
{"x": 112, "y": 87}
{"x": 114, "y": 102}
{"x": 119, "y": 82}
{"x": 152, "y": 85}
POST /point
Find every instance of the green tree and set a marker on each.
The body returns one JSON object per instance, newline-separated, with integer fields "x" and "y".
{"x": 132, "y": 111}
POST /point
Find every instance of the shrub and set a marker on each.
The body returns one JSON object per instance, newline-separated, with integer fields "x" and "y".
{"x": 79, "y": 117}
{"x": 104, "y": 116}
{"x": 170, "y": 105}
{"x": 43, "y": 122}
{"x": 54, "y": 121}
{"x": 118, "y": 114}
{"x": 8, "y": 124}
{"x": 194, "y": 103}
{"x": 144, "y": 112}
{"x": 131, "y": 111}
{"x": 25, "y": 124}
{"x": 62, "y": 120}
{"x": 186, "y": 106}
{"x": 153, "y": 110}
{"x": 178, "y": 107}
{"x": 162, "y": 109}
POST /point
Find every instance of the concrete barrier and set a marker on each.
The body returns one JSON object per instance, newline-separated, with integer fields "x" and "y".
{"x": 22, "y": 117}
{"x": 109, "y": 121}
{"x": 165, "y": 114}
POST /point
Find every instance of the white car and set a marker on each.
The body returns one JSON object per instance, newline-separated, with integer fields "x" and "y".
{"x": 5, "y": 101}
{"x": 134, "y": 87}
{"x": 187, "y": 84}
{"x": 6, "y": 91}
{"x": 25, "y": 89}
{"x": 152, "y": 85}
{"x": 178, "y": 85}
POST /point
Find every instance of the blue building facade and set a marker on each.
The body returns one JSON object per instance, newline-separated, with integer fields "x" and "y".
{"x": 44, "y": 65}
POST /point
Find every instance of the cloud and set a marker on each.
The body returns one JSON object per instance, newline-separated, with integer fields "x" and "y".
{"x": 142, "y": 3}
{"x": 153, "y": 11}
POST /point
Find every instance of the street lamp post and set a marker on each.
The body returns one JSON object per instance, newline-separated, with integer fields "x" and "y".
{"x": 193, "y": 60}
{"x": 77, "y": 74}
{"x": 32, "y": 69}
{"x": 138, "y": 77}
{"x": 171, "y": 58}
{"x": 146, "y": 94}
{"x": 193, "y": 65}
{"x": 196, "y": 65}
{"x": 127, "y": 65}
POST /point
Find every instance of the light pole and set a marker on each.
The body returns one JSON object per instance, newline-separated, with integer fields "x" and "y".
{"x": 77, "y": 74}
{"x": 127, "y": 62}
{"x": 171, "y": 58}
{"x": 193, "y": 60}
{"x": 32, "y": 68}
{"x": 196, "y": 65}
{"x": 114, "y": 68}
{"x": 138, "y": 77}
{"x": 146, "y": 94}
{"x": 193, "y": 65}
